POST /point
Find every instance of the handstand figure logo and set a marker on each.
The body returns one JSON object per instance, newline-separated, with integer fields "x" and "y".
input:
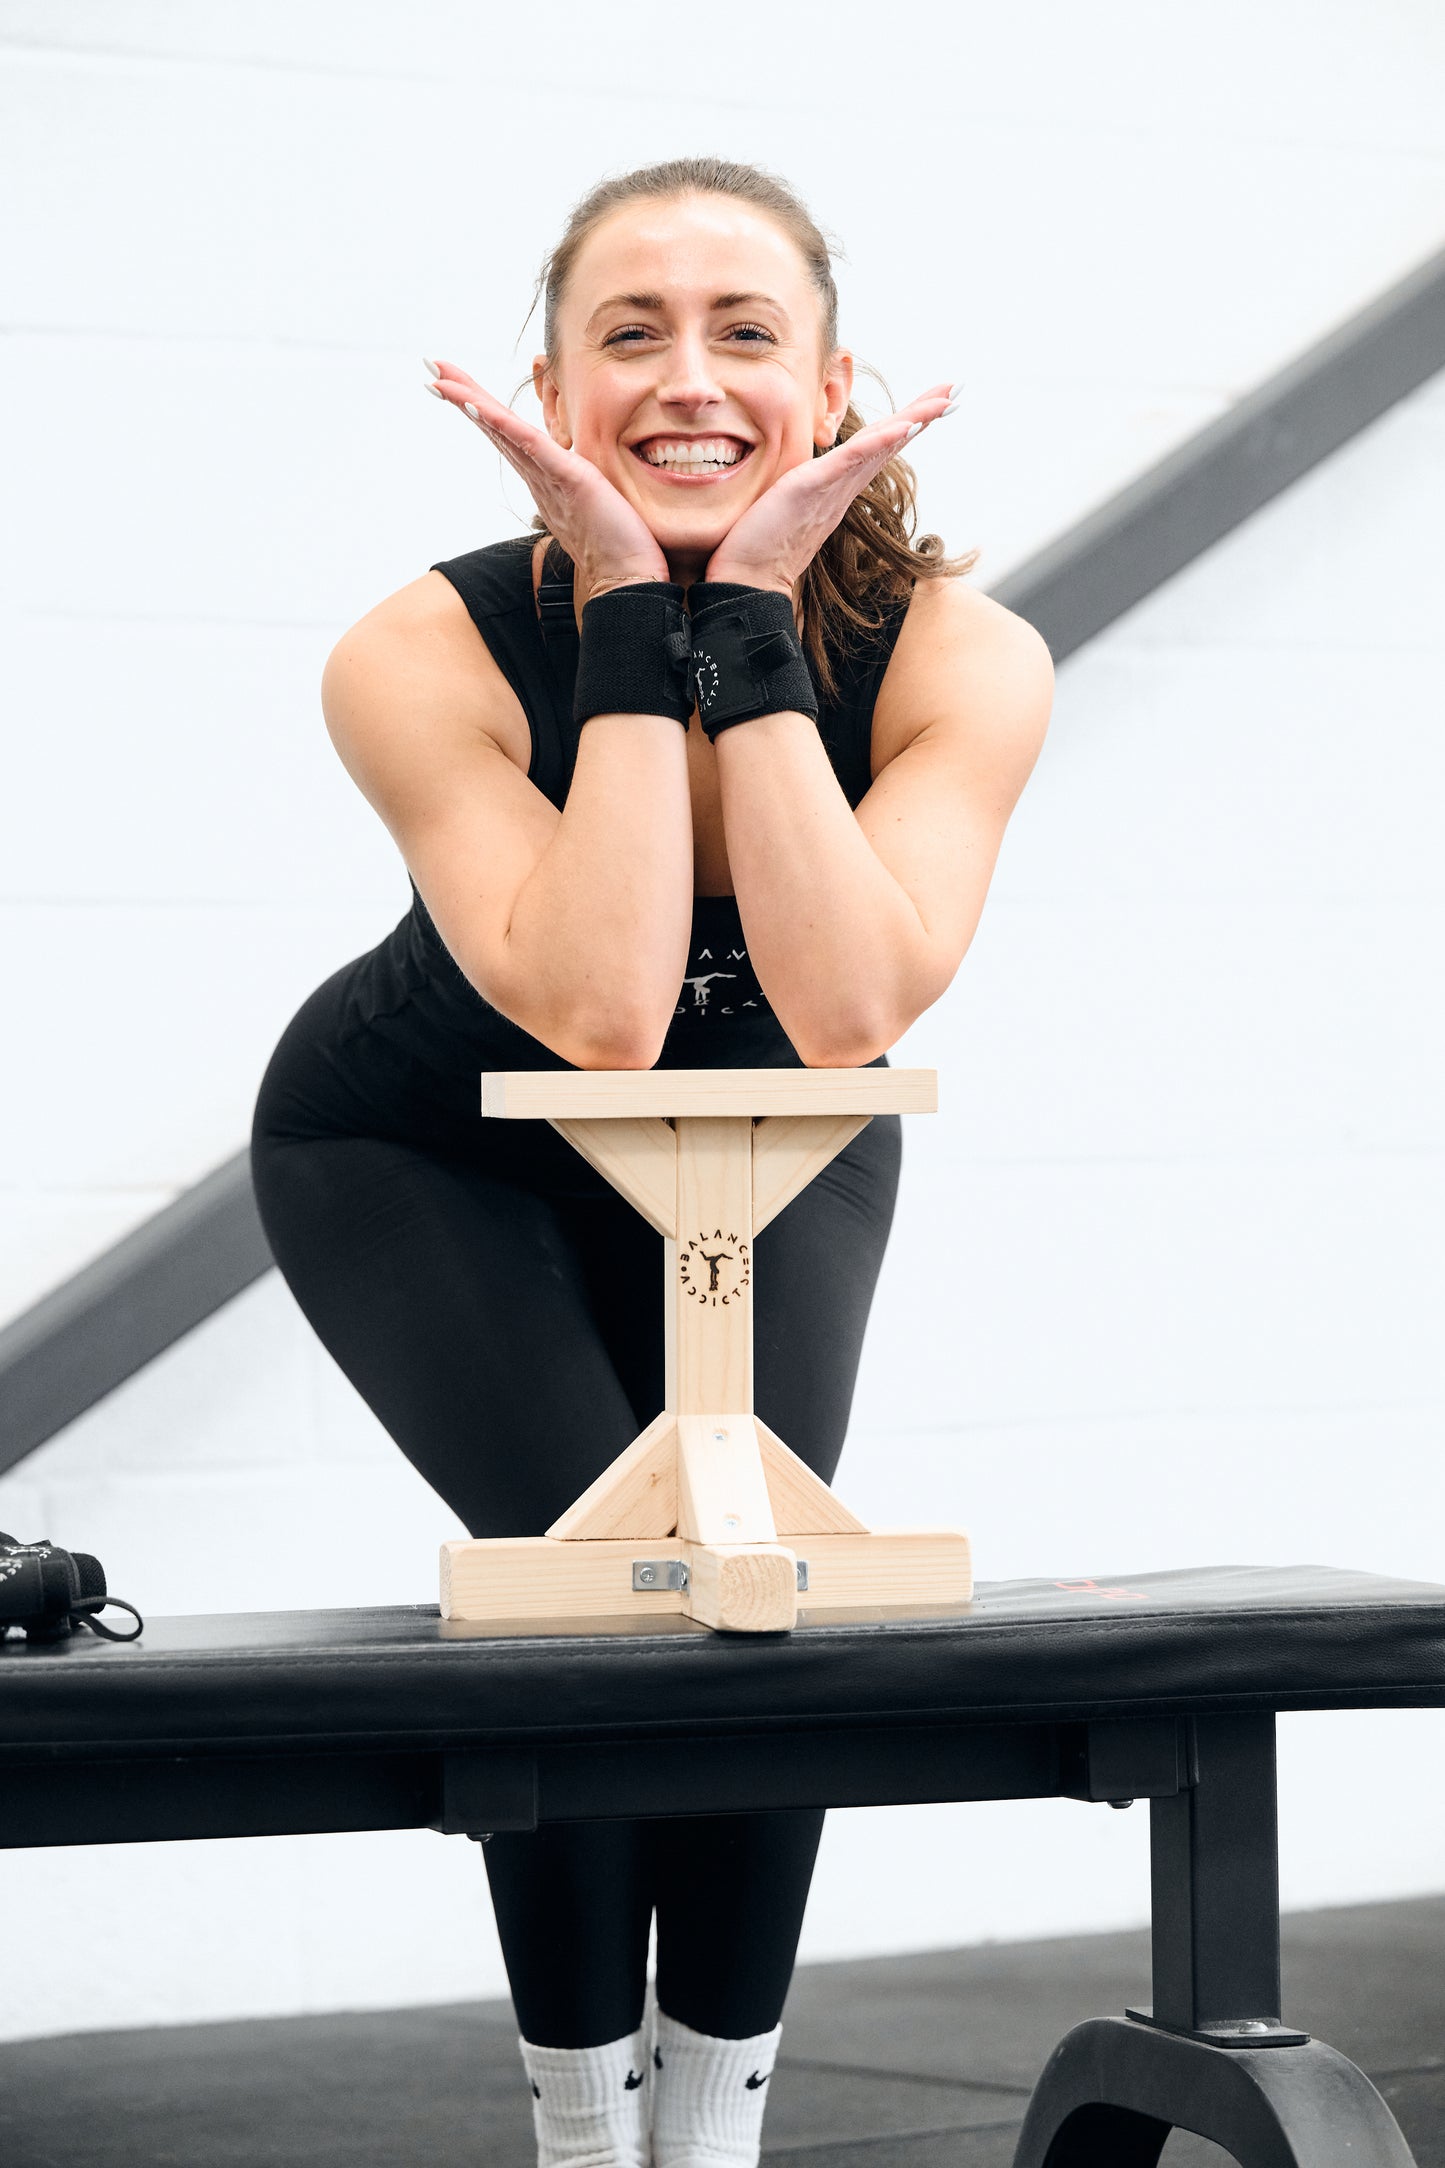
{"x": 705, "y": 678}
{"x": 714, "y": 1268}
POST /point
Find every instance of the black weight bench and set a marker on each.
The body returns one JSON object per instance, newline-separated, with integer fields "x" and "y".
{"x": 1162, "y": 1687}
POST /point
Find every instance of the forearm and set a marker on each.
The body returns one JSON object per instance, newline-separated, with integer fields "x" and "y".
{"x": 599, "y": 930}
{"x": 837, "y": 944}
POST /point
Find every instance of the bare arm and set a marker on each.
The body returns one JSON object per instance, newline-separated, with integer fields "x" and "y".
{"x": 857, "y": 922}
{"x": 575, "y": 925}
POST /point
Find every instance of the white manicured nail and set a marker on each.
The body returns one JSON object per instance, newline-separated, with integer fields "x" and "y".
{"x": 954, "y": 390}
{"x": 913, "y": 432}
{"x": 432, "y": 366}
{"x": 470, "y": 409}
{"x": 435, "y": 392}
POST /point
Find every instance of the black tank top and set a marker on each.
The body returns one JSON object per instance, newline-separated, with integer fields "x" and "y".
{"x": 411, "y": 991}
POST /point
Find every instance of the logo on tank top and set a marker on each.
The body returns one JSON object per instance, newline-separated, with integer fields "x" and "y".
{"x": 714, "y": 1268}
{"x": 700, "y": 983}
{"x": 701, "y": 986}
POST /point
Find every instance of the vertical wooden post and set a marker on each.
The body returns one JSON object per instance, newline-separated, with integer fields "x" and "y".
{"x": 712, "y": 1289}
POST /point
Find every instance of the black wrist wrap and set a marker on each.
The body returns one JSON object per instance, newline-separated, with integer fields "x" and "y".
{"x": 633, "y": 654}
{"x": 747, "y": 658}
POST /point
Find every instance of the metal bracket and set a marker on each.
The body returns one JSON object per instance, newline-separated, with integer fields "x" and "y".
{"x": 484, "y": 1789}
{"x": 1227, "y": 2032}
{"x": 1119, "y": 1759}
{"x": 653, "y": 1575}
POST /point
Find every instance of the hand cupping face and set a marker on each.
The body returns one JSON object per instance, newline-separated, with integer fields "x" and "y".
{"x": 686, "y": 402}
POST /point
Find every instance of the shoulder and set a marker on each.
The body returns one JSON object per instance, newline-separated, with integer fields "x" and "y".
{"x": 966, "y": 665}
{"x": 417, "y": 662}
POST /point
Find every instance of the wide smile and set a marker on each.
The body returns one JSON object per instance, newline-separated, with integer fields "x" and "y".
{"x": 692, "y": 462}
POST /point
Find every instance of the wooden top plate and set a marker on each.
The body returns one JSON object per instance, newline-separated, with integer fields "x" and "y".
{"x": 622, "y": 1094}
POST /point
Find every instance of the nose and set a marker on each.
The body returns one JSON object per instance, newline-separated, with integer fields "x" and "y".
{"x": 689, "y": 380}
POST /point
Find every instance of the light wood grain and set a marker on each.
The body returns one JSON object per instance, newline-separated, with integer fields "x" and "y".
{"x": 722, "y": 1496}
{"x": 742, "y": 1588}
{"x": 890, "y": 1568}
{"x": 707, "y": 1156}
{"x": 533, "y": 1577}
{"x": 670, "y": 1307}
{"x": 713, "y": 1286}
{"x": 622, "y": 1094}
{"x": 639, "y": 1159}
{"x": 789, "y": 1150}
{"x": 802, "y": 1502}
{"x": 635, "y": 1495}
{"x": 733, "y": 1586}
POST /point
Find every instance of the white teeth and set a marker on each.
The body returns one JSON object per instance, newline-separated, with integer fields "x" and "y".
{"x": 696, "y": 452}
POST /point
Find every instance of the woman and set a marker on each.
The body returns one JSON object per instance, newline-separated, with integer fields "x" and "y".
{"x": 790, "y": 879}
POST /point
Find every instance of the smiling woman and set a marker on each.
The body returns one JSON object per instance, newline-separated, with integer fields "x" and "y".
{"x": 787, "y": 879}
{"x": 870, "y": 559}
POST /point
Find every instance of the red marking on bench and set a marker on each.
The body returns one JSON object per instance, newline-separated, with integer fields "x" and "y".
{"x": 1092, "y": 1588}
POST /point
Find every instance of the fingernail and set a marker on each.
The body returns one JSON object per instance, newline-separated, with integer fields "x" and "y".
{"x": 913, "y": 432}
{"x": 476, "y": 417}
{"x": 436, "y": 393}
{"x": 954, "y": 390}
{"x": 432, "y": 366}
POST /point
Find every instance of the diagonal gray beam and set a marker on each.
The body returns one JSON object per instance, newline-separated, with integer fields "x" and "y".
{"x": 1137, "y": 539}
{"x": 90, "y": 1334}
{"x": 108, "y": 1320}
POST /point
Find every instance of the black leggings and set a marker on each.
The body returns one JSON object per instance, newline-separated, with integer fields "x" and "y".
{"x": 499, "y": 1307}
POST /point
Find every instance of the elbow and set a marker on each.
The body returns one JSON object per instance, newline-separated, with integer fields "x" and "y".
{"x": 623, "y": 1057}
{"x": 844, "y": 1049}
{"x": 614, "y": 1044}
{"x": 585, "y": 1039}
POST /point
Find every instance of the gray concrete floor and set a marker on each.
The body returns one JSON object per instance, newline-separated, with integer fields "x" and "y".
{"x": 899, "y": 2062}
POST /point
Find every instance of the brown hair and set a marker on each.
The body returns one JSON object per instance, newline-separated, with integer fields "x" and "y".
{"x": 870, "y": 560}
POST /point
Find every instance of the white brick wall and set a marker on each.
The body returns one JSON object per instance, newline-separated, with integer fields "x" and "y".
{"x": 1182, "y": 1302}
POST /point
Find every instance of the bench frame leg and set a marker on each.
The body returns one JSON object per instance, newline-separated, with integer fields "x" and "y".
{"x": 1211, "y": 2054}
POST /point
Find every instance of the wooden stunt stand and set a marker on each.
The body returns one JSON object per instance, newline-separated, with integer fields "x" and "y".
{"x": 707, "y": 1512}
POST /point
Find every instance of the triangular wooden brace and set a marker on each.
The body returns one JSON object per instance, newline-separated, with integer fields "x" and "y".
{"x": 637, "y": 1156}
{"x": 789, "y": 1150}
{"x": 635, "y": 1495}
{"x": 802, "y": 1503}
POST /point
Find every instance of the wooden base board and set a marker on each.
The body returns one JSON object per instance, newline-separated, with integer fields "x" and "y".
{"x": 742, "y": 1588}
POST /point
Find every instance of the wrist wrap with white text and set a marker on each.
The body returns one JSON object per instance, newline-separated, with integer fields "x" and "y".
{"x": 747, "y": 659}
{"x": 633, "y": 656}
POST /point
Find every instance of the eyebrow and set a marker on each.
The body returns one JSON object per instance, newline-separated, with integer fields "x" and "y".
{"x": 657, "y": 303}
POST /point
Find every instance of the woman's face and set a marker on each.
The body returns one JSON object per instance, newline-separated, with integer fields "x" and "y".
{"x": 689, "y": 367}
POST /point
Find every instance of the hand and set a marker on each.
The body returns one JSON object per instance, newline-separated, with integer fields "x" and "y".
{"x": 774, "y": 541}
{"x": 607, "y": 539}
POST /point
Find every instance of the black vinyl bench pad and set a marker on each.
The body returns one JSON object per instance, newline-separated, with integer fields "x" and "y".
{"x": 1023, "y": 1652}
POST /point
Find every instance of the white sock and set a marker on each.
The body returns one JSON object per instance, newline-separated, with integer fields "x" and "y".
{"x": 590, "y": 2106}
{"x": 707, "y": 2109}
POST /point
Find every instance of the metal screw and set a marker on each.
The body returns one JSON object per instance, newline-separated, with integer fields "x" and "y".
{"x": 720, "y": 1436}
{"x": 647, "y": 1574}
{"x": 730, "y": 1520}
